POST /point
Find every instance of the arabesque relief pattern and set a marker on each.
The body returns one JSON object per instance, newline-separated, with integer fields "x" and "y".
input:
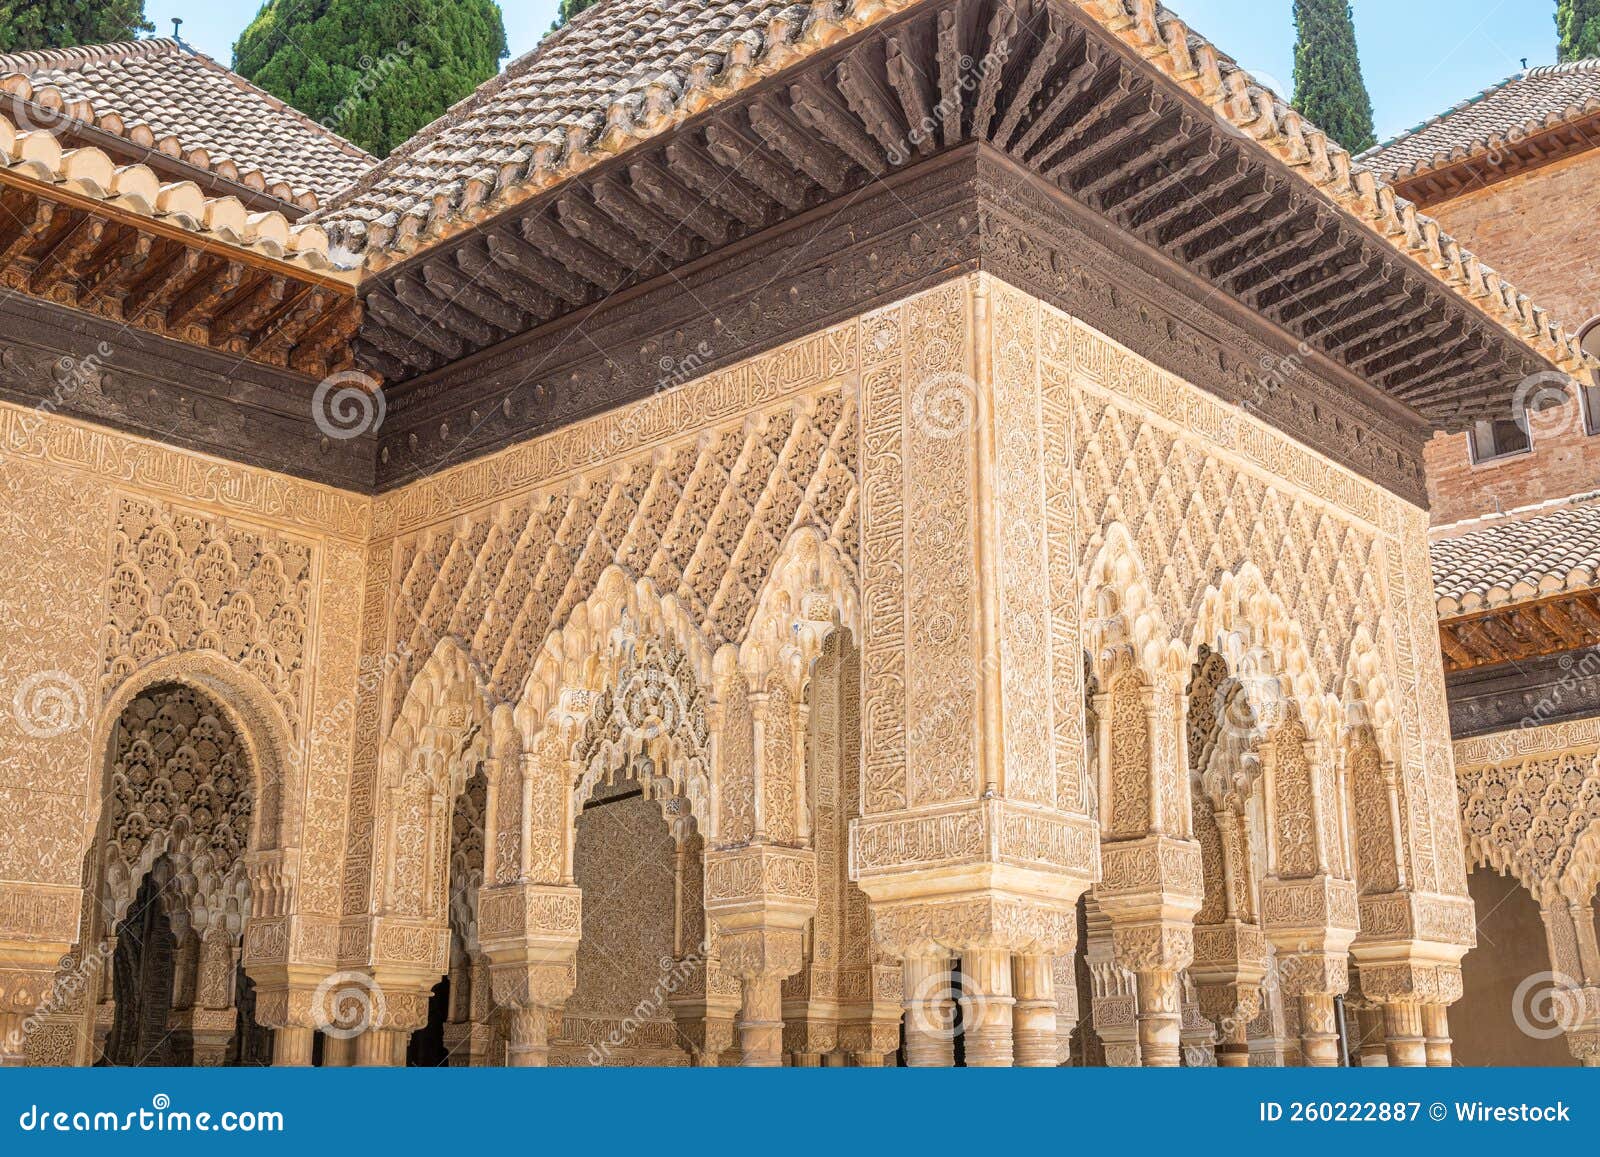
{"x": 1530, "y": 806}
{"x": 957, "y": 585}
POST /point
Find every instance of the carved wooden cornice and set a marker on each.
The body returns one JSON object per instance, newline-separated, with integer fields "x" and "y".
{"x": 1520, "y": 631}
{"x": 1491, "y": 164}
{"x": 1046, "y": 85}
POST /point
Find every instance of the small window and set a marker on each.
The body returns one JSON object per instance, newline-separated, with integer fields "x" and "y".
{"x": 1500, "y": 438}
{"x": 1589, "y": 396}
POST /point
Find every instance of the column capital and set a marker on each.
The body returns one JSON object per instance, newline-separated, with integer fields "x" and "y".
{"x": 1314, "y": 914}
{"x": 975, "y": 918}
{"x": 760, "y": 886}
{"x": 1422, "y": 981}
{"x": 1153, "y": 878}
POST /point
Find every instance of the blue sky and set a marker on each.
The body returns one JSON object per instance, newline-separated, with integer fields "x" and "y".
{"x": 1420, "y": 56}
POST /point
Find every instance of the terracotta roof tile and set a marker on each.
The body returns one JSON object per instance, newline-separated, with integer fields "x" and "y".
{"x": 37, "y": 156}
{"x": 625, "y": 71}
{"x": 160, "y": 90}
{"x": 1518, "y": 559}
{"x": 1523, "y": 104}
{"x": 619, "y": 72}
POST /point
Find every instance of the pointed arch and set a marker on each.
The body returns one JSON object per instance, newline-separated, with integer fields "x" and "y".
{"x": 439, "y": 738}
{"x": 1366, "y": 695}
{"x": 1242, "y": 619}
{"x": 622, "y": 685}
{"x": 810, "y": 593}
{"x": 1581, "y": 880}
{"x": 276, "y": 765}
{"x": 1122, "y": 620}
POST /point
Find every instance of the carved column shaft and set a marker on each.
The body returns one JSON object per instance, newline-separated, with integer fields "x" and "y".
{"x": 930, "y": 1012}
{"x": 761, "y": 1021}
{"x": 1436, "y": 1036}
{"x": 1160, "y": 1018}
{"x": 1402, "y": 1020}
{"x": 291, "y": 1046}
{"x": 529, "y": 1028}
{"x": 987, "y": 1007}
{"x": 1034, "y": 1019}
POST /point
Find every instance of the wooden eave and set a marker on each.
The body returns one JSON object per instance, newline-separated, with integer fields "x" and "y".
{"x": 1487, "y": 166}
{"x": 1058, "y": 95}
{"x": 1523, "y": 630}
{"x": 90, "y": 254}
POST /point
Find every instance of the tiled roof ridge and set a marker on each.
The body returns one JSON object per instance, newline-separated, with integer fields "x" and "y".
{"x": 81, "y": 54}
{"x": 1487, "y": 142}
{"x": 1588, "y": 64}
{"x": 38, "y": 157}
{"x": 19, "y": 82}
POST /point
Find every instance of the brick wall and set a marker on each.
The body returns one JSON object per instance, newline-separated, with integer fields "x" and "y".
{"x": 1564, "y": 461}
{"x": 1541, "y": 230}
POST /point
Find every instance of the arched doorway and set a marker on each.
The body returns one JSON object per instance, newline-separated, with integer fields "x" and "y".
{"x": 168, "y": 885}
{"x": 1510, "y": 1009}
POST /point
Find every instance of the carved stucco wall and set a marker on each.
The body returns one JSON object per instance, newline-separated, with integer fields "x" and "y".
{"x": 625, "y": 864}
{"x": 1530, "y": 805}
{"x": 126, "y": 563}
{"x": 1106, "y": 469}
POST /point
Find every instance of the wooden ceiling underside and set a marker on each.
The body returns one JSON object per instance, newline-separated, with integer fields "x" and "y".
{"x": 90, "y": 255}
{"x": 1028, "y": 77}
{"x": 1527, "y": 630}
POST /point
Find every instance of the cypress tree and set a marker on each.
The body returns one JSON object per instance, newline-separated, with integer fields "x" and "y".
{"x": 31, "y": 24}
{"x": 1328, "y": 89}
{"x": 1578, "y": 29}
{"x": 374, "y": 71}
